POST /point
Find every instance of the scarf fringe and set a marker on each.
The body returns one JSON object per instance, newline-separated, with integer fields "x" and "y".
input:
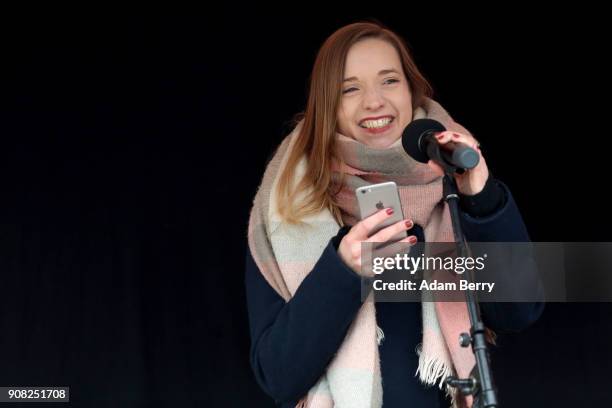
{"x": 302, "y": 403}
{"x": 380, "y": 335}
{"x": 431, "y": 369}
{"x": 458, "y": 400}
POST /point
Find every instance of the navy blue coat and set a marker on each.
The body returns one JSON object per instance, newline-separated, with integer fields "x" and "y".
{"x": 293, "y": 342}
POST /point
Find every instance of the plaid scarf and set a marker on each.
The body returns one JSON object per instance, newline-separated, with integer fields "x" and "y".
{"x": 286, "y": 253}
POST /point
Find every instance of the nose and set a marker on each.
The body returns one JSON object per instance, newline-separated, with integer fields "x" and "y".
{"x": 373, "y": 100}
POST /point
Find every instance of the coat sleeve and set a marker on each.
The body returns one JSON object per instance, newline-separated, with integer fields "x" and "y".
{"x": 506, "y": 224}
{"x": 293, "y": 342}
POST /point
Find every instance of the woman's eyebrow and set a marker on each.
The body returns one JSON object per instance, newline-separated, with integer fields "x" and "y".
{"x": 388, "y": 71}
{"x": 381, "y": 72}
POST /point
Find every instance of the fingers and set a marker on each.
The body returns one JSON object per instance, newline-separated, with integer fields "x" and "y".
{"x": 351, "y": 245}
{"x": 472, "y": 181}
{"x": 361, "y": 231}
{"x": 412, "y": 239}
{"x": 395, "y": 248}
{"x": 456, "y": 137}
{"x": 389, "y": 232}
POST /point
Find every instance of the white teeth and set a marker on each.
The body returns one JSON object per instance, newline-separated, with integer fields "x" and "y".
{"x": 370, "y": 124}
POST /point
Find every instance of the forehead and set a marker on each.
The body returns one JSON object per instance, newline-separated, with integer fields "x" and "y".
{"x": 369, "y": 56}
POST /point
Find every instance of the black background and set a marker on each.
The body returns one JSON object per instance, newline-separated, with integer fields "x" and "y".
{"x": 131, "y": 148}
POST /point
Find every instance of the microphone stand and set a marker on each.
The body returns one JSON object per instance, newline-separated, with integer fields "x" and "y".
{"x": 480, "y": 382}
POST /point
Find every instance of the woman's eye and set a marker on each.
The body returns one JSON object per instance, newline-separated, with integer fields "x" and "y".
{"x": 387, "y": 81}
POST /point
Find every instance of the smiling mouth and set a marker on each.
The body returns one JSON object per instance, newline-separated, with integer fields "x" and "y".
{"x": 377, "y": 123}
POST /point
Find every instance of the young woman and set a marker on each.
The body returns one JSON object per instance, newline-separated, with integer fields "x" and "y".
{"x": 314, "y": 342}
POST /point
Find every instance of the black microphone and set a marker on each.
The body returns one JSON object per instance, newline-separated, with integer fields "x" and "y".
{"x": 419, "y": 141}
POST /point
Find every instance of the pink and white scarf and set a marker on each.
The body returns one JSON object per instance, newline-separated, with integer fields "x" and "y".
{"x": 286, "y": 253}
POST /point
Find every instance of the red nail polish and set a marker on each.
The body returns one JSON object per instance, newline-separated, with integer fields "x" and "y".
{"x": 389, "y": 211}
{"x": 412, "y": 240}
{"x": 408, "y": 224}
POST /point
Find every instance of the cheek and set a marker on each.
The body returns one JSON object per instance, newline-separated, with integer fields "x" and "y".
{"x": 409, "y": 110}
{"x": 406, "y": 108}
{"x": 344, "y": 118}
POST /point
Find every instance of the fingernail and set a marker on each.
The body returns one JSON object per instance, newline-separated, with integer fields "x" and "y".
{"x": 439, "y": 136}
{"x": 455, "y": 136}
{"x": 412, "y": 240}
{"x": 389, "y": 211}
{"x": 409, "y": 224}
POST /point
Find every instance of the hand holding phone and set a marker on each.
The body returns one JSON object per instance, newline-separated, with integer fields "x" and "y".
{"x": 377, "y": 225}
{"x": 376, "y": 197}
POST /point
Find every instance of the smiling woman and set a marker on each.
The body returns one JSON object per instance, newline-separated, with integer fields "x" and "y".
{"x": 376, "y": 102}
{"x": 351, "y": 81}
{"x": 314, "y": 342}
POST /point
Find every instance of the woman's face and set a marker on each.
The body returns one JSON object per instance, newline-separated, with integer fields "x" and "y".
{"x": 376, "y": 102}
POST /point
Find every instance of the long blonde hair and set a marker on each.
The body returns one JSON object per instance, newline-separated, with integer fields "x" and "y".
{"x": 316, "y": 139}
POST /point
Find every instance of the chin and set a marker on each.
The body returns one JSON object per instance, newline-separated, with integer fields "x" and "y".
{"x": 382, "y": 143}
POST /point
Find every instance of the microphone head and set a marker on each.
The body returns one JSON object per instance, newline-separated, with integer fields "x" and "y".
{"x": 414, "y": 134}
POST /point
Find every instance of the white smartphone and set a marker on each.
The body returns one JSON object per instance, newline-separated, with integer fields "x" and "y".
{"x": 376, "y": 197}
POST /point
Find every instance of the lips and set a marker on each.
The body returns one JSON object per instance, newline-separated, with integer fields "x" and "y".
{"x": 374, "y": 118}
{"x": 378, "y": 130}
